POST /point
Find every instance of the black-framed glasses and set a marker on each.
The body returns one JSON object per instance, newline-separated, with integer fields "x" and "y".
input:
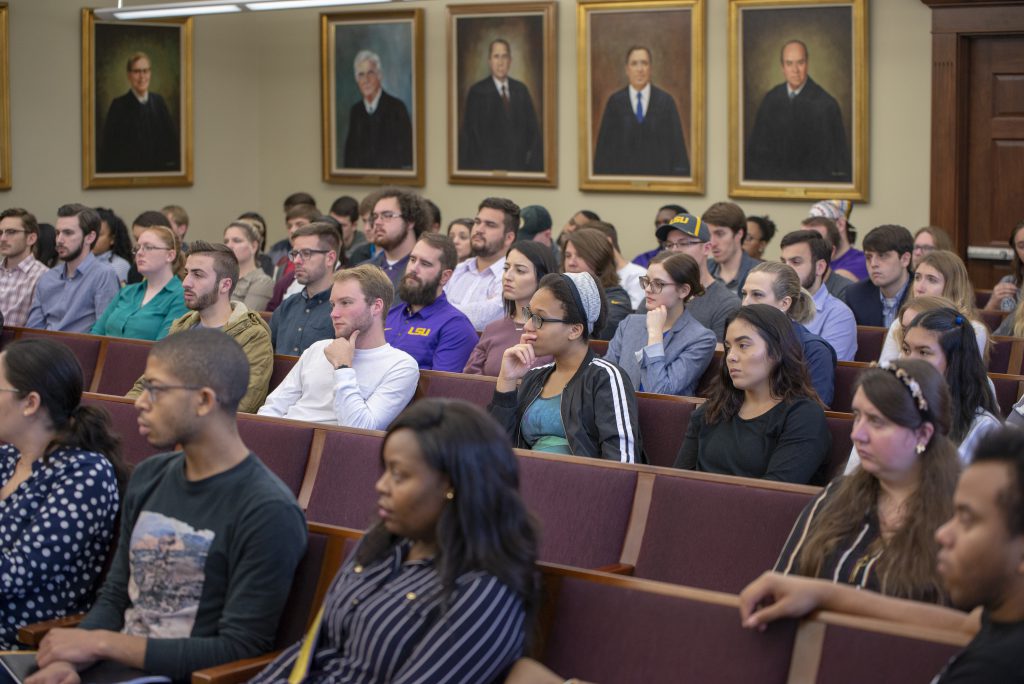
{"x": 386, "y": 215}
{"x": 11, "y": 232}
{"x": 681, "y": 244}
{"x": 538, "y": 320}
{"x": 305, "y": 254}
{"x": 655, "y": 286}
{"x": 153, "y": 390}
{"x": 148, "y": 248}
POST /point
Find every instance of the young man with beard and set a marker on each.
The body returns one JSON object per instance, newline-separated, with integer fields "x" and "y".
{"x": 980, "y": 560}
{"x": 475, "y": 285}
{"x": 809, "y": 255}
{"x": 305, "y": 318}
{"x": 19, "y": 270}
{"x": 210, "y": 538}
{"x": 424, "y": 324}
{"x": 357, "y": 379}
{"x": 396, "y": 222}
{"x": 211, "y": 271}
{"x": 73, "y": 294}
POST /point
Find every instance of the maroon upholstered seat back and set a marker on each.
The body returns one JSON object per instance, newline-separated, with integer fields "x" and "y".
{"x": 851, "y": 655}
{"x": 6, "y": 337}
{"x": 583, "y": 511}
{"x": 714, "y": 535}
{"x": 663, "y": 422}
{"x": 85, "y": 348}
{"x": 846, "y": 378}
{"x": 297, "y": 609}
{"x": 283, "y": 447}
{"x": 870, "y": 339}
{"x": 343, "y": 492}
{"x": 476, "y": 389}
{"x": 999, "y": 355}
{"x": 124, "y": 363}
{"x": 607, "y": 633}
{"x": 713, "y": 369}
{"x": 1008, "y": 390}
{"x": 124, "y": 418}
{"x": 839, "y": 427}
{"x": 282, "y": 365}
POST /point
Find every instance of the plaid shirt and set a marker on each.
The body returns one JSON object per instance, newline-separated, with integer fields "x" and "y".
{"x": 16, "y": 287}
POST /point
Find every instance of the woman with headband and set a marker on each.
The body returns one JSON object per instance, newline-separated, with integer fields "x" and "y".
{"x": 581, "y": 404}
{"x": 875, "y": 528}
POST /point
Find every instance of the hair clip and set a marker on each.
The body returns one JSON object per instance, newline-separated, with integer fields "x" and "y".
{"x": 903, "y": 376}
{"x": 959, "y": 320}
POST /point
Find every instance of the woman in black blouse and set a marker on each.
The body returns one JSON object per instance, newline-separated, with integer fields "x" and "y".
{"x": 443, "y": 588}
{"x": 875, "y": 528}
{"x": 762, "y": 417}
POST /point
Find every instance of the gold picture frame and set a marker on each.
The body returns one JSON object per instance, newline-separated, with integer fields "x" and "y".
{"x": 496, "y": 139}
{"x": 120, "y": 58}
{"x": 658, "y": 150}
{"x": 5, "y": 103}
{"x": 803, "y": 133}
{"x": 389, "y": 47}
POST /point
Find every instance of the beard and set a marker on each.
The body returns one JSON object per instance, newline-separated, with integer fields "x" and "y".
{"x": 71, "y": 256}
{"x": 388, "y": 242}
{"x": 485, "y": 250}
{"x": 202, "y": 301}
{"x": 414, "y": 293}
{"x": 808, "y": 282}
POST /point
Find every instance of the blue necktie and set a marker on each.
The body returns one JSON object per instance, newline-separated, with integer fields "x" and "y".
{"x": 639, "y": 107}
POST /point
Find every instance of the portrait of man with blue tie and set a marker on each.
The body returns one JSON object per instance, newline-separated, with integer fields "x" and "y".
{"x": 641, "y": 133}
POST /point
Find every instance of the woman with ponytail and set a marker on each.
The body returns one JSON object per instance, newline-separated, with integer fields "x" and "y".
{"x": 59, "y": 473}
{"x": 777, "y": 284}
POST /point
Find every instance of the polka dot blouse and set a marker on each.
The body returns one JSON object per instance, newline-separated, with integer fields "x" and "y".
{"x": 55, "y": 533}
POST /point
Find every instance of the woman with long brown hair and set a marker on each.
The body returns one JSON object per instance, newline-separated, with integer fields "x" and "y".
{"x": 875, "y": 528}
{"x": 588, "y": 251}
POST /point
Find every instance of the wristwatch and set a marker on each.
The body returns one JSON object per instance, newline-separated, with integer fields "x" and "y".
{"x": 342, "y": 365}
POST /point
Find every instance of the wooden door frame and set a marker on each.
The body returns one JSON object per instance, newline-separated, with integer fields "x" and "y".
{"x": 954, "y": 22}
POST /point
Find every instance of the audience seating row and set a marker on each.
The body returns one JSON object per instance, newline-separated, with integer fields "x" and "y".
{"x": 1006, "y": 354}
{"x": 607, "y": 628}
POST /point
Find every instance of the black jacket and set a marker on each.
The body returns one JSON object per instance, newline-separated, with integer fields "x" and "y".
{"x": 863, "y": 299}
{"x": 595, "y": 403}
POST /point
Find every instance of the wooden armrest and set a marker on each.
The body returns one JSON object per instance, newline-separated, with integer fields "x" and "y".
{"x": 232, "y": 673}
{"x": 618, "y": 569}
{"x": 31, "y": 635}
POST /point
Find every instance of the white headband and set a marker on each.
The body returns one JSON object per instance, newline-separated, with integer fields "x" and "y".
{"x": 590, "y": 296}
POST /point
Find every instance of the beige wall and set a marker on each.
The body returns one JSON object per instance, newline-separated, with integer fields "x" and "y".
{"x": 257, "y": 122}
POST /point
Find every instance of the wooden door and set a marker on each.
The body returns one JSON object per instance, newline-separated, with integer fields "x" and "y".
{"x": 995, "y": 154}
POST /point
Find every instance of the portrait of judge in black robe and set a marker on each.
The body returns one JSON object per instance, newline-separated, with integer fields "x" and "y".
{"x": 641, "y": 133}
{"x": 798, "y": 134}
{"x": 379, "y": 129}
{"x": 139, "y": 134}
{"x": 500, "y": 130}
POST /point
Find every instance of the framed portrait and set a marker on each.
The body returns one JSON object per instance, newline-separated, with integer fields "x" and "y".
{"x": 641, "y": 95}
{"x": 136, "y": 102}
{"x": 501, "y": 94}
{"x": 5, "y": 104}
{"x": 371, "y": 69}
{"x": 798, "y": 99}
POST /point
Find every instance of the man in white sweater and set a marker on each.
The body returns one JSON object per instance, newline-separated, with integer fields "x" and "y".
{"x": 357, "y": 379}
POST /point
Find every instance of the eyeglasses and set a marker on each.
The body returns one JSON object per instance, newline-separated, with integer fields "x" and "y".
{"x": 153, "y": 390}
{"x": 538, "y": 321}
{"x": 10, "y": 389}
{"x": 306, "y": 254}
{"x": 148, "y": 248}
{"x": 11, "y": 232}
{"x": 386, "y": 216}
{"x": 681, "y": 244}
{"x": 924, "y": 248}
{"x": 655, "y": 286}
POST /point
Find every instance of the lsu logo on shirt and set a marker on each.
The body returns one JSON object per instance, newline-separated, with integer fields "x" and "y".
{"x": 419, "y": 332}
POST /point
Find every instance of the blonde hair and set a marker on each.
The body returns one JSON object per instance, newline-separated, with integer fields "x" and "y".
{"x": 372, "y": 281}
{"x": 931, "y": 303}
{"x": 786, "y": 283}
{"x": 957, "y": 287}
{"x": 170, "y": 240}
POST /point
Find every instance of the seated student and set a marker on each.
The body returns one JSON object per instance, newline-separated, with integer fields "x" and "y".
{"x": 979, "y": 562}
{"x": 875, "y": 528}
{"x": 778, "y": 285}
{"x": 19, "y": 269}
{"x": 146, "y": 310}
{"x": 357, "y": 379}
{"x": 628, "y": 272}
{"x": 59, "y": 472}
{"x": 458, "y": 231}
{"x": 665, "y": 350}
{"x": 526, "y": 263}
{"x": 762, "y": 417}
{"x": 113, "y": 244}
{"x": 588, "y": 251}
{"x": 443, "y": 588}
{"x": 209, "y": 540}
{"x": 1006, "y": 293}
{"x": 939, "y": 274}
{"x": 928, "y": 240}
{"x": 305, "y": 318}
{"x": 887, "y": 253}
{"x": 254, "y": 288}
{"x": 258, "y": 224}
{"x": 580, "y": 404}
{"x": 423, "y": 323}
{"x": 210, "y": 274}
{"x": 147, "y": 219}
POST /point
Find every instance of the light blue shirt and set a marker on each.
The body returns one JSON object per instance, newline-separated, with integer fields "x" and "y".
{"x": 73, "y": 304}
{"x": 835, "y": 323}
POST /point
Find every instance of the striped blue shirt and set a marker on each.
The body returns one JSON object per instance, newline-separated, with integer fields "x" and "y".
{"x": 387, "y": 622}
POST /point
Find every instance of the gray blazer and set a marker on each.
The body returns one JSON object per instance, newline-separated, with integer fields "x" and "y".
{"x": 670, "y": 367}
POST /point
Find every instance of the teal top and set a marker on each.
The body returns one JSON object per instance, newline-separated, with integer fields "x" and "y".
{"x": 542, "y": 426}
{"x": 125, "y": 316}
